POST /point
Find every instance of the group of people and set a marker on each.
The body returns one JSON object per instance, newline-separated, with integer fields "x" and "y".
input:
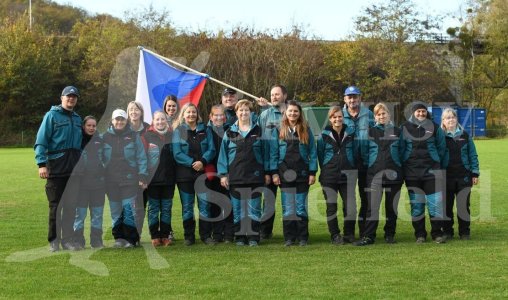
{"x": 234, "y": 165}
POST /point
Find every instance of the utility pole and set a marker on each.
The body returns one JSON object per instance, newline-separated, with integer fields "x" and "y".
{"x": 30, "y": 13}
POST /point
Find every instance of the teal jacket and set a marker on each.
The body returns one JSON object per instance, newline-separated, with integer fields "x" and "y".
{"x": 243, "y": 158}
{"x": 58, "y": 142}
{"x": 461, "y": 158}
{"x": 292, "y": 155}
{"x": 360, "y": 125}
{"x": 124, "y": 157}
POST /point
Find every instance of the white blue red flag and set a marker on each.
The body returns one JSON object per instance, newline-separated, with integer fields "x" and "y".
{"x": 157, "y": 79}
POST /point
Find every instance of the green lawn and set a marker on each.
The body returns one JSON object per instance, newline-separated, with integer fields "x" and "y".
{"x": 457, "y": 269}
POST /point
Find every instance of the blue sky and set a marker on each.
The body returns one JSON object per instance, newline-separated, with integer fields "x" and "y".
{"x": 327, "y": 19}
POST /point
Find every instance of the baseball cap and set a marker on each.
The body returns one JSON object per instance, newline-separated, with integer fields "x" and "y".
{"x": 70, "y": 90}
{"x": 352, "y": 90}
{"x": 119, "y": 113}
{"x": 228, "y": 91}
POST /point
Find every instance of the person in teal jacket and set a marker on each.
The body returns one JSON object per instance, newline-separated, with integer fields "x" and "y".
{"x": 90, "y": 171}
{"x": 294, "y": 159}
{"x": 381, "y": 156}
{"x": 269, "y": 121}
{"x": 338, "y": 155}
{"x": 126, "y": 170}
{"x": 423, "y": 147}
{"x": 57, "y": 150}
{"x": 462, "y": 172}
{"x": 193, "y": 149}
{"x": 359, "y": 118}
{"x": 243, "y": 167}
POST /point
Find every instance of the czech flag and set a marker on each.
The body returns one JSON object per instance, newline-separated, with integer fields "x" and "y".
{"x": 157, "y": 79}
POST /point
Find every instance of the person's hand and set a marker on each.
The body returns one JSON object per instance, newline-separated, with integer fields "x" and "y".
{"x": 276, "y": 179}
{"x": 262, "y": 102}
{"x": 143, "y": 185}
{"x": 224, "y": 182}
{"x": 43, "y": 172}
{"x": 475, "y": 180}
{"x": 197, "y": 165}
{"x": 312, "y": 179}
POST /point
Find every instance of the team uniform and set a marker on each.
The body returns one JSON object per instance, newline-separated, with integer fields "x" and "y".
{"x": 381, "y": 156}
{"x": 126, "y": 164}
{"x": 337, "y": 155}
{"x": 90, "y": 171}
{"x": 58, "y": 147}
{"x": 360, "y": 125}
{"x": 422, "y": 149}
{"x": 190, "y": 146}
{"x": 160, "y": 191}
{"x": 269, "y": 121}
{"x": 294, "y": 162}
{"x": 244, "y": 160}
{"x": 461, "y": 163}
{"x": 220, "y": 204}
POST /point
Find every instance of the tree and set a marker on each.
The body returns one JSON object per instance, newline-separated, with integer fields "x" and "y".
{"x": 390, "y": 58}
{"x": 482, "y": 45}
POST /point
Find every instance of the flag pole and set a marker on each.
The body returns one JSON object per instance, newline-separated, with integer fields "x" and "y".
{"x": 199, "y": 73}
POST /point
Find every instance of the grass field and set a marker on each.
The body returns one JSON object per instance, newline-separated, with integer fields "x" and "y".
{"x": 458, "y": 269}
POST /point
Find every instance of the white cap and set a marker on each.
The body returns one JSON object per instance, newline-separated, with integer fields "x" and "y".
{"x": 119, "y": 113}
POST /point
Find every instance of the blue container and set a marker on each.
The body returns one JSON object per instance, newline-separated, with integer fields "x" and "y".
{"x": 436, "y": 113}
{"x": 474, "y": 120}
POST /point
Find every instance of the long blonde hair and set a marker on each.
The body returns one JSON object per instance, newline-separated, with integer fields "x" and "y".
{"x": 181, "y": 120}
{"x": 301, "y": 125}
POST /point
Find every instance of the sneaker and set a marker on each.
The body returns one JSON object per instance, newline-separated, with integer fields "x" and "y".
{"x": 349, "y": 239}
{"x": 337, "y": 240}
{"x": 420, "y": 240}
{"x": 209, "y": 241}
{"x": 240, "y": 243}
{"x": 171, "y": 236}
{"x": 266, "y": 236}
{"x": 365, "y": 241}
{"x": 129, "y": 245}
{"x": 97, "y": 245}
{"x": 228, "y": 241}
{"x": 69, "y": 246}
{"x": 440, "y": 240}
{"x": 156, "y": 242}
{"x": 79, "y": 247}
{"x": 465, "y": 237}
{"x": 166, "y": 242}
{"x": 303, "y": 243}
{"x": 390, "y": 240}
{"x": 54, "y": 246}
{"x": 253, "y": 243}
{"x": 189, "y": 242}
{"x": 119, "y": 243}
{"x": 288, "y": 243}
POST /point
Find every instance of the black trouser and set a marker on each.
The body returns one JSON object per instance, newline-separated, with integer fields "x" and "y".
{"x": 62, "y": 198}
{"x": 93, "y": 200}
{"x": 392, "y": 196}
{"x": 188, "y": 192}
{"x": 364, "y": 201}
{"x": 295, "y": 220}
{"x": 426, "y": 193}
{"x": 461, "y": 191}
{"x": 268, "y": 217}
{"x": 221, "y": 211}
{"x": 331, "y": 192}
{"x": 122, "y": 203}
